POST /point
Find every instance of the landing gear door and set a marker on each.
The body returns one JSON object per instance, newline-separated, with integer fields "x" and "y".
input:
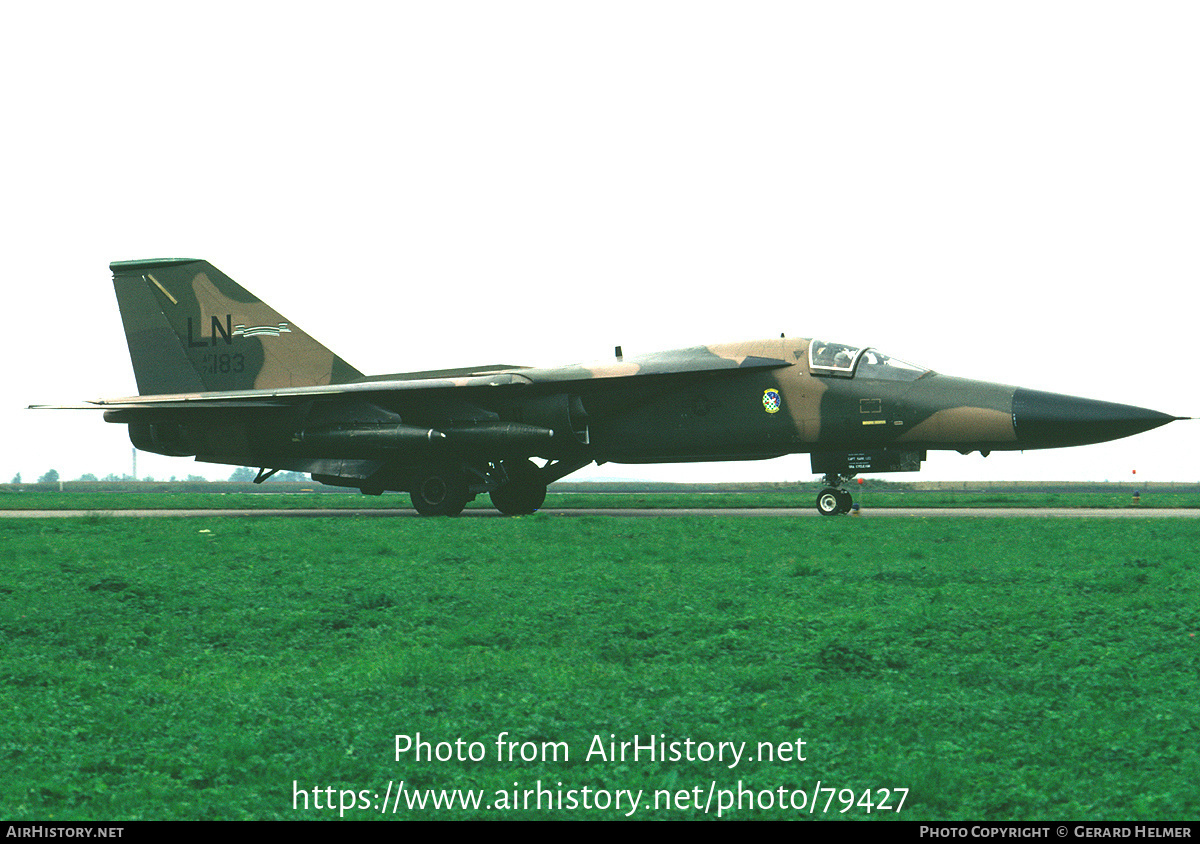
{"x": 848, "y": 464}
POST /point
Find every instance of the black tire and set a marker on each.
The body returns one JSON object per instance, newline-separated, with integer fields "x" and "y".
{"x": 829, "y": 501}
{"x": 847, "y": 500}
{"x": 440, "y": 492}
{"x": 523, "y": 493}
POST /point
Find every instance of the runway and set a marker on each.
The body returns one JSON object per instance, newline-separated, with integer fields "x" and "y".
{"x": 762, "y": 512}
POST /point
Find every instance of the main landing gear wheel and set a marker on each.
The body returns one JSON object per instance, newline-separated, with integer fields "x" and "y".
{"x": 523, "y": 493}
{"x": 440, "y": 492}
{"x": 831, "y": 502}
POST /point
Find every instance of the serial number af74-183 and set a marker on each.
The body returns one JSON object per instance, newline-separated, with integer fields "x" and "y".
{"x": 224, "y": 378}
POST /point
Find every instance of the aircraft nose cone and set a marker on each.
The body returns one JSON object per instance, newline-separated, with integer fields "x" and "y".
{"x": 1049, "y": 420}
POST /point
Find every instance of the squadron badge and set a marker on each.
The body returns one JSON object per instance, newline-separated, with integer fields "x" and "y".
{"x": 771, "y": 401}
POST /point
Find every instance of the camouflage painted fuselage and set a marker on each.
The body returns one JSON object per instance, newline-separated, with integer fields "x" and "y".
{"x": 766, "y": 412}
{"x": 225, "y": 378}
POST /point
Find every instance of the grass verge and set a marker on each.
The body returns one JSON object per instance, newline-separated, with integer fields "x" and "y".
{"x": 997, "y": 669}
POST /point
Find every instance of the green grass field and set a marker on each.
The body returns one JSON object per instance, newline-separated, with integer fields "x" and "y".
{"x": 802, "y": 496}
{"x": 224, "y": 669}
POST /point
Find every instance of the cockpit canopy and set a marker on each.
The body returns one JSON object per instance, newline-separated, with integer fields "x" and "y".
{"x": 842, "y": 361}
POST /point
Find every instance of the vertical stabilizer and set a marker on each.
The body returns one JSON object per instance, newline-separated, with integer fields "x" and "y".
{"x": 191, "y": 329}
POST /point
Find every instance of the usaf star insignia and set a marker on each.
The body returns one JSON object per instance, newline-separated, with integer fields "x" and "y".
{"x": 771, "y": 401}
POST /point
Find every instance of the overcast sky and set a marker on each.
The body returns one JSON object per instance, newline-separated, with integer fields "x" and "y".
{"x": 1004, "y": 191}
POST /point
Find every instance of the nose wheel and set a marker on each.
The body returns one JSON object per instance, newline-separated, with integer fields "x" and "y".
{"x": 834, "y": 500}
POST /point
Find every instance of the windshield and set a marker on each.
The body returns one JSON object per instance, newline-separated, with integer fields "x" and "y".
{"x": 875, "y": 364}
{"x": 855, "y": 361}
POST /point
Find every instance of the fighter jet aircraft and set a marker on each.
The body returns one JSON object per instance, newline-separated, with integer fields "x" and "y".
{"x": 224, "y": 378}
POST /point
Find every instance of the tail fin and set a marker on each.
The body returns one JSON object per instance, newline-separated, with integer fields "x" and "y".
{"x": 192, "y": 329}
